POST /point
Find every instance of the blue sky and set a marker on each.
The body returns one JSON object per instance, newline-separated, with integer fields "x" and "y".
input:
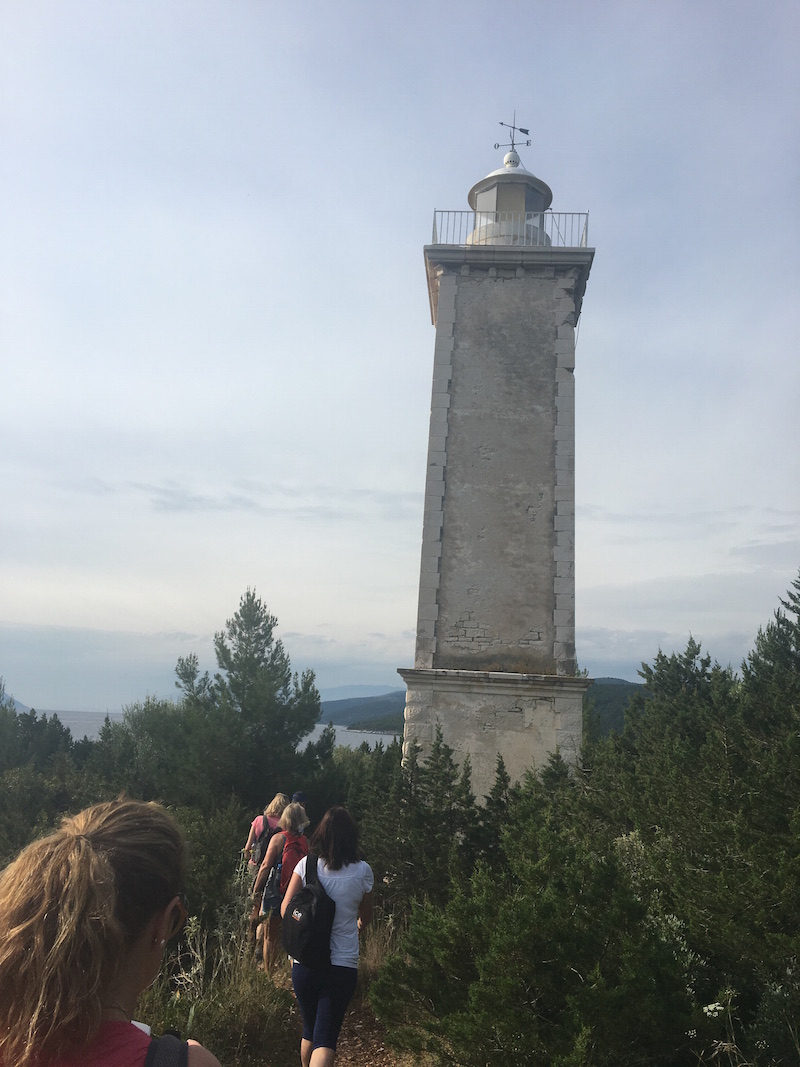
{"x": 216, "y": 345}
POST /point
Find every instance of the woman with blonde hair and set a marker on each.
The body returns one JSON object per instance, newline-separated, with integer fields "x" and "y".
{"x": 268, "y": 820}
{"x": 85, "y": 914}
{"x": 285, "y": 851}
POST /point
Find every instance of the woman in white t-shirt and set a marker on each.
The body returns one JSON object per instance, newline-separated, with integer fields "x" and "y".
{"x": 323, "y": 995}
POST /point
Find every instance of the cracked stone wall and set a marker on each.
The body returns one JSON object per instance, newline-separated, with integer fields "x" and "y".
{"x": 497, "y": 576}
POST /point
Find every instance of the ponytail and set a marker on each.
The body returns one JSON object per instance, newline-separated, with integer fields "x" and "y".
{"x": 71, "y": 905}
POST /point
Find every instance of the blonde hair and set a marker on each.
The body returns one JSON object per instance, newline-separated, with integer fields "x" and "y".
{"x": 276, "y": 805}
{"x": 294, "y": 818}
{"x": 71, "y": 907}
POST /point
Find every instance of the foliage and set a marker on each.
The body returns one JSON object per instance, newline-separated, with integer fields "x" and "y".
{"x": 257, "y": 704}
{"x": 626, "y": 901}
{"x": 27, "y": 738}
{"x": 547, "y": 957}
{"x": 215, "y": 754}
{"x": 604, "y": 706}
{"x": 643, "y": 908}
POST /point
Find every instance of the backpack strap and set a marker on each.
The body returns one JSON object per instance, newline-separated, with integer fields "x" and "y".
{"x": 311, "y": 870}
{"x": 167, "y": 1051}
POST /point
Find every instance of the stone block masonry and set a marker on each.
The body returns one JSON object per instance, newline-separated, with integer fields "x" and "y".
{"x": 499, "y": 501}
{"x": 495, "y": 653}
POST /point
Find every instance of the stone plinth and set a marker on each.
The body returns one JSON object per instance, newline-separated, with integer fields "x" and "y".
{"x": 522, "y": 717}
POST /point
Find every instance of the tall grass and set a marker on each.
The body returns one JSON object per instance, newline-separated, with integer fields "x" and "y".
{"x": 378, "y": 940}
{"x": 211, "y": 990}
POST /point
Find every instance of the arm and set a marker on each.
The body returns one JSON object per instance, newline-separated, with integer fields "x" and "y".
{"x": 201, "y": 1057}
{"x": 250, "y": 838}
{"x": 271, "y": 858}
{"x": 366, "y": 910}
{"x": 294, "y": 886}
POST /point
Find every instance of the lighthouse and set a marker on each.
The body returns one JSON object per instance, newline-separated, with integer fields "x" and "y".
{"x": 495, "y": 665}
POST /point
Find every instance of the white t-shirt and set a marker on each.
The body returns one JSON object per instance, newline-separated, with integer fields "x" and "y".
{"x": 347, "y": 888}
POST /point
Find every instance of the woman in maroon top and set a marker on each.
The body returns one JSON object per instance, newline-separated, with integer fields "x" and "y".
{"x": 85, "y": 914}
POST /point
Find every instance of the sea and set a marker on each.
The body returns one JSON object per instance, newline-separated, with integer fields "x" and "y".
{"x": 88, "y": 724}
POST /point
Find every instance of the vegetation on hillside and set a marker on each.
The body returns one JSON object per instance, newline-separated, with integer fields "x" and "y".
{"x": 641, "y": 909}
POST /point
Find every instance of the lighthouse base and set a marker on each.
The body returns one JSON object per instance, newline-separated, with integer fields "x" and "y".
{"x": 482, "y": 714}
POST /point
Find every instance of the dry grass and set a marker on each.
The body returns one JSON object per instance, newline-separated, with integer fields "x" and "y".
{"x": 213, "y": 992}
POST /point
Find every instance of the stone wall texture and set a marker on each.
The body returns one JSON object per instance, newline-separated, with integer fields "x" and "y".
{"x": 497, "y": 578}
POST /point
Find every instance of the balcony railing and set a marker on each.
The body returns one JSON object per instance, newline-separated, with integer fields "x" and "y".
{"x": 546, "y": 228}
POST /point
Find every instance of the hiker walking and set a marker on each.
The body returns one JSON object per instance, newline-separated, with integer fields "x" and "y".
{"x": 323, "y": 994}
{"x": 285, "y": 850}
{"x": 260, "y": 827}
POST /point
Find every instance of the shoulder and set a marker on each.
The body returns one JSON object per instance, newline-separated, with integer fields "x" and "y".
{"x": 201, "y": 1057}
{"x": 359, "y": 872}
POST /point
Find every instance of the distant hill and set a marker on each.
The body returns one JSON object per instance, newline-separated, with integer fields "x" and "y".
{"x": 350, "y": 692}
{"x": 383, "y": 713}
{"x": 387, "y": 724}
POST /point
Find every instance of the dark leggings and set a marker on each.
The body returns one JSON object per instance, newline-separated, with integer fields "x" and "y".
{"x": 323, "y": 997}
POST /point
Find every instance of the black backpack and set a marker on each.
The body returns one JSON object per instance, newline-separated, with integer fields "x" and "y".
{"x": 167, "y": 1051}
{"x": 307, "y": 924}
{"x": 261, "y": 843}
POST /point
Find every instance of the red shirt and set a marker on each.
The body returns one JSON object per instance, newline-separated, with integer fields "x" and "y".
{"x": 118, "y": 1044}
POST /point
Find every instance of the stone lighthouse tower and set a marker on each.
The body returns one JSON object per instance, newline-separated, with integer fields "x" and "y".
{"x": 495, "y": 650}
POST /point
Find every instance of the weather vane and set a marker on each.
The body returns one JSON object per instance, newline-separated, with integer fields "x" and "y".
{"x": 514, "y": 129}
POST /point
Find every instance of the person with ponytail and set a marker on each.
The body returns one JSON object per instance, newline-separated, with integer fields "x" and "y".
{"x": 85, "y": 915}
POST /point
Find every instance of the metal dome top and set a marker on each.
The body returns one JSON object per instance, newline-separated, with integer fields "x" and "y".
{"x": 514, "y": 172}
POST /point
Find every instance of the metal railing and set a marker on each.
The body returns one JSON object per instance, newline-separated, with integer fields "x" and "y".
{"x": 545, "y": 228}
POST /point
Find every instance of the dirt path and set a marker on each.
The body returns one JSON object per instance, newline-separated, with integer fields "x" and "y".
{"x": 362, "y": 1041}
